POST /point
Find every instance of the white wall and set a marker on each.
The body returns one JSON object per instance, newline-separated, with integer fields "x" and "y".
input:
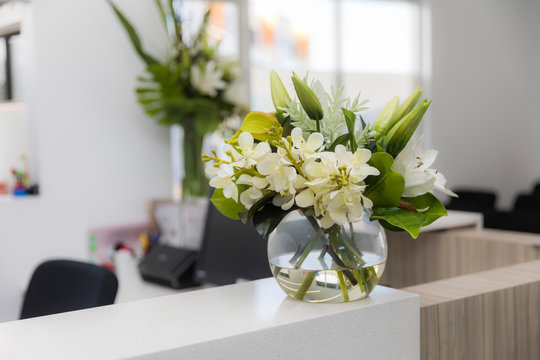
{"x": 100, "y": 158}
{"x": 484, "y": 84}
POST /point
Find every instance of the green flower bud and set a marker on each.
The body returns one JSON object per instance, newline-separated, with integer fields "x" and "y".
{"x": 279, "y": 93}
{"x": 308, "y": 99}
{"x": 401, "y": 133}
{"x": 387, "y": 117}
{"x": 409, "y": 104}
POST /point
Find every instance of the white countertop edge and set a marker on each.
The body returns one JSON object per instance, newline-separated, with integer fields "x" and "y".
{"x": 160, "y": 324}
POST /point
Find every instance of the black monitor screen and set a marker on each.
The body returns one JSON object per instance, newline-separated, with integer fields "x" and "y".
{"x": 230, "y": 251}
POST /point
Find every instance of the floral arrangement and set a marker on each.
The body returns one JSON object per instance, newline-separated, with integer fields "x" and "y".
{"x": 316, "y": 154}
{"x": 193, "y": 86}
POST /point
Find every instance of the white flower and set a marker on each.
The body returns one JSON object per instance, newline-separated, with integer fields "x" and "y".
{"x": 282, "y": 178}
{"x": 283, "y": 201}
{"x": 256, "y": 181}
{"x": 224, "y": 181}
{"x": 414, "y": 166}
{"x": 355, "y": 163}
{"x": 250, "y": 153}
{"x": 283, "y": 181}
{"x": 344, "y": 205}
{"x": 236, "y": 94}
{"x": 207, "y": 80}
{"x": 250, "y": 196}
{"x": 306, "y": 149}
{"x": 229, "y": 65}
{"x": 336, "y": 187}
{"x": 320, "y": 171}
{"x": 254, "y": 193}
{"x": 271, "y": 164}
{"x": 306, "y": 198}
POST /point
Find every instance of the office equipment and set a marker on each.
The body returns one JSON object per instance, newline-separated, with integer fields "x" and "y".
{"x": 63, "y": 285}
{"x": 231, "y": 251}
{"x": 169, "y": 266}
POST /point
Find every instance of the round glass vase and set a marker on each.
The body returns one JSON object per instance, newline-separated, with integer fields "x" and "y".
{"x": 334, "y": 265}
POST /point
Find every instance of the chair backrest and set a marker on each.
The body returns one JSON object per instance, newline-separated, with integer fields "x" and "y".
{"x": 473, "y": 200}
{"x": 526, "y": 202}
{"x": 536, "y": 189}
{"x": 64, "y": 285}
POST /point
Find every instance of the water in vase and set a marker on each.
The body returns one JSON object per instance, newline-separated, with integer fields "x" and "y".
{"x": 319, "y": 279}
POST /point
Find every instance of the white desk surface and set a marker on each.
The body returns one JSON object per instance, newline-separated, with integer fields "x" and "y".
{"x": 456, "y": 219}
{"x": 169, "y": 324}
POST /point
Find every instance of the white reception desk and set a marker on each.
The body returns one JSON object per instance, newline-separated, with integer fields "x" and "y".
{"x": 252, "y": 320}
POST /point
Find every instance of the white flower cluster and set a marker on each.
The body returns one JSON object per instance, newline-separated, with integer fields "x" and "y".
{"x": 299, "y": 173}
{"x": 208, "y": 79}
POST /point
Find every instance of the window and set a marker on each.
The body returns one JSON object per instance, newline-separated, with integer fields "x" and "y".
{"x": 367, "y": 46}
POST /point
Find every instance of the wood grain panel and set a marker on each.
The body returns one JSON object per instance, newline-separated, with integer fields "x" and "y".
{"x": 487, "y": 315}
{"x": 443, "y": 254}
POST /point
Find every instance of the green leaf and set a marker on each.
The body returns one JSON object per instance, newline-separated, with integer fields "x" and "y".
{"x": 384, "y": 190}
{"x": 161, "y": 12}
{"x": 342, "y": 139}
{"x": 362, "y": 122}
{"x": 258, "y": 123}
{"x": 248, "y": 214}
{"x": 268, "y": 218}
{"x": 226, "y": 206}
{"x": 177, "y": 22}
{"x": 134, "y": 37}
{"x": 350, "y": 119}
{"x": 407, "y": 220}
{"x": 206, "y": 116}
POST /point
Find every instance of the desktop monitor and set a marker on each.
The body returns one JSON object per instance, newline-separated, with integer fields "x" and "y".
{"x": 230, "y": 251}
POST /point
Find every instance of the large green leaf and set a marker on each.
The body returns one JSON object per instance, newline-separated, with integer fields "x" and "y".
{"x": 133, "y": 36}
{"x": 268, "y": 218}
{"x": 248, "y": 214}
{"x": 162, "y": 13}
{"x": 207, "y": 116}
{"x": 386, "y": 189}
{"x": 342, "y": 139}
{"x": 350, "y": 119}
{"x": 226, "y": 206}
{"x": 429, "y": 209}
{"x": 258, "y": 123}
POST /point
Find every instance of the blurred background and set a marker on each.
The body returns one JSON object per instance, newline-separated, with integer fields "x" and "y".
{"x": 73, "y": 134}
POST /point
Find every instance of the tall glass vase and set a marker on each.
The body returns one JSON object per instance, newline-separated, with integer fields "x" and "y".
{"x": 194, "y": 183}
{"x": 190, "y": 185}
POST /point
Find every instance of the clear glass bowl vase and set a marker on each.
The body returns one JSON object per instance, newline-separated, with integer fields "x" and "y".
{"x": 339, "y": 264}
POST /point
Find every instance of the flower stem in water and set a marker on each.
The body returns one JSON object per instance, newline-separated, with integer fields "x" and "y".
{"x": 343, "y": 286}
{"x": 308, "y": 248}
{"x": 302, "y": 290}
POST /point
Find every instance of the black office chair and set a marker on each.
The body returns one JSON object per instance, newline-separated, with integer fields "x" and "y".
{"x": 536, "y": 190}
{"x": 64, "y": 285}
{"x": 473, "y": 200}
{"x": 526, "y": 202}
